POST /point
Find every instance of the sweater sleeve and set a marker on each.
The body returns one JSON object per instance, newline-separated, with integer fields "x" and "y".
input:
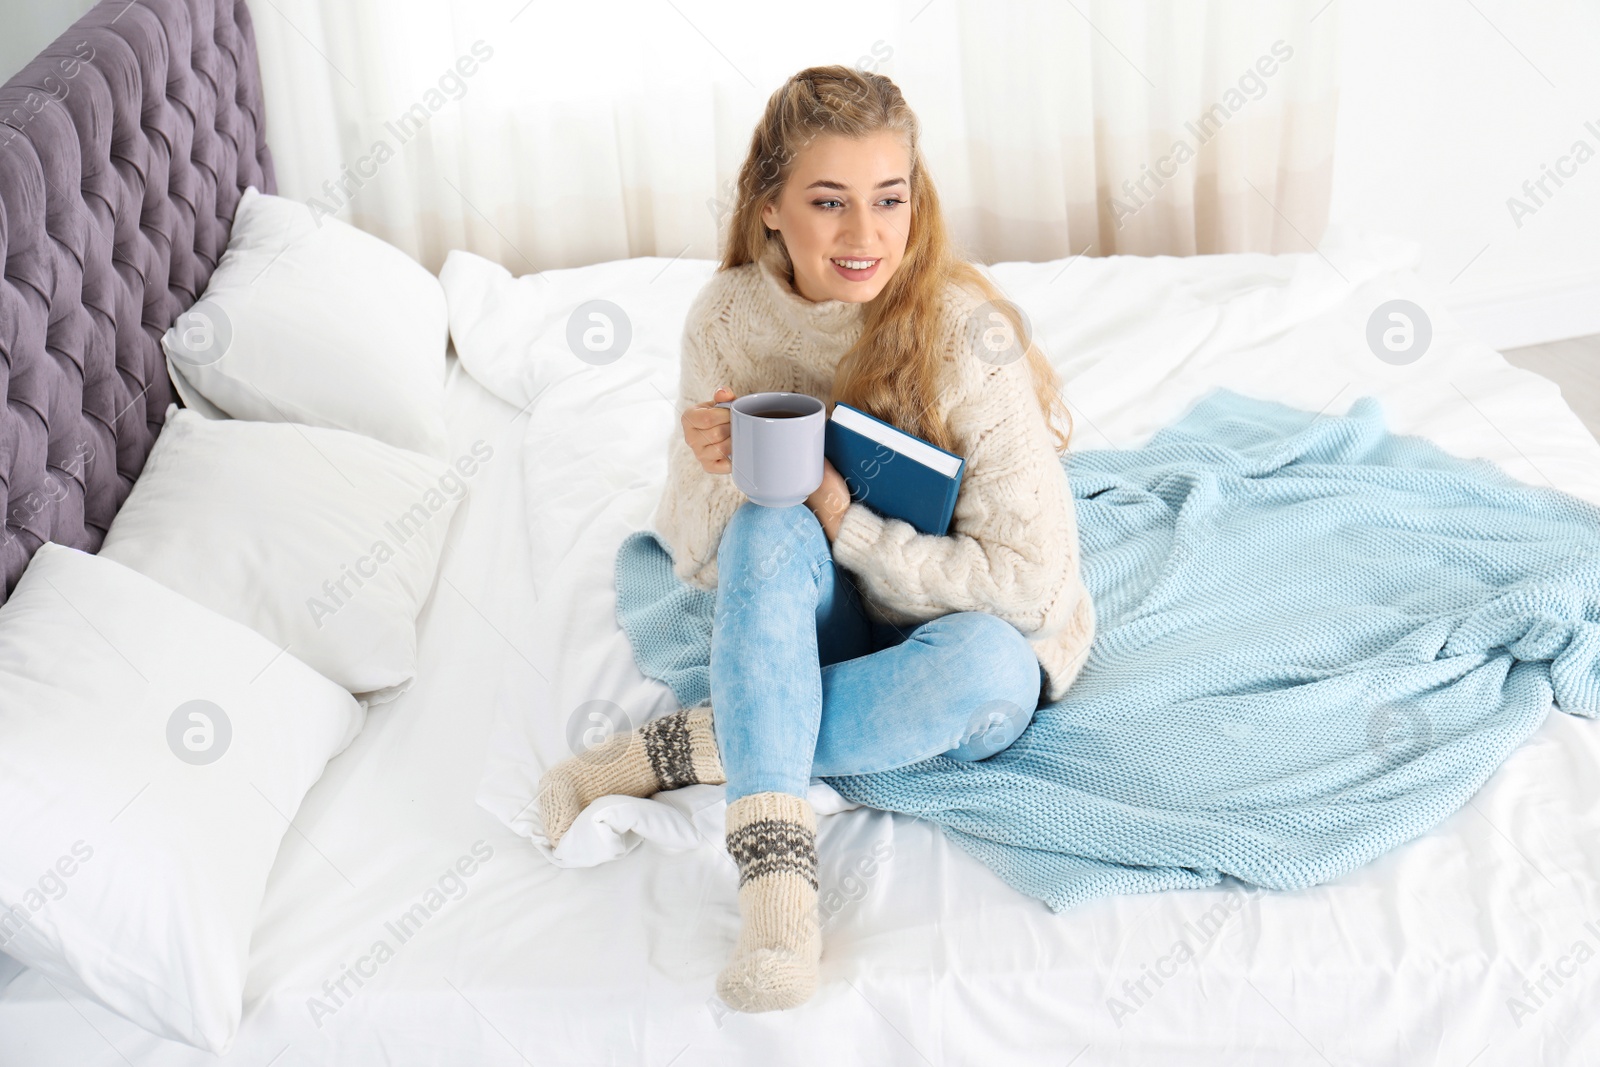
{"x": 1012, "y": 549}
{"x": 696, "y": 505}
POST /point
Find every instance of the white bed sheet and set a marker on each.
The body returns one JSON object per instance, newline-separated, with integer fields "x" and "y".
{"x": 928, "y": 958}
{"x": 1409, "y": 960}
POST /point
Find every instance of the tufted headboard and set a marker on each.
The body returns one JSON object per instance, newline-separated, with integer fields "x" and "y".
{"x": 124, "y": 148}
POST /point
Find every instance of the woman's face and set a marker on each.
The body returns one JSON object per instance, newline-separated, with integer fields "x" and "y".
{"x": 845, "y": 213}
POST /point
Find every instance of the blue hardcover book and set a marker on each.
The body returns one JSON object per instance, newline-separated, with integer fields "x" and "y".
{"x": 895, "y": 474}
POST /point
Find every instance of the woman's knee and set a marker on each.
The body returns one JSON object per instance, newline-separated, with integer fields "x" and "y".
{"x": 763, "y": 541}
{"x": 1002, "y": 684}
{"x": 1007, "y": 665}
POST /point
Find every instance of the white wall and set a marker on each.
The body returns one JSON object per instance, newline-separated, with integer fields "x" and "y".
{"x": 1446, "y": 107}
{"x": 26, "y": 26}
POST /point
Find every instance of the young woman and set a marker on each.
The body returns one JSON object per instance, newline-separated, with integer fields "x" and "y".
{"x": 844, "y": 642}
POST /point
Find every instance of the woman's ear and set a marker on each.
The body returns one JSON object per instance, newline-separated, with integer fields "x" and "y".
{"x": 769, "y": 214}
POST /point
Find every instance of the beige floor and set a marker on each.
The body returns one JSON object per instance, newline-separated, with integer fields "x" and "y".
{"x": 1573, "y": 365}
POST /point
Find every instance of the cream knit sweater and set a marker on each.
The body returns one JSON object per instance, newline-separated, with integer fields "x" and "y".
{"x": 1012, "y": 549}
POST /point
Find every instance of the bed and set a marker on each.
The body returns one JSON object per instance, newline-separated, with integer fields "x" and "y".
{"x": 1415, "y": 958}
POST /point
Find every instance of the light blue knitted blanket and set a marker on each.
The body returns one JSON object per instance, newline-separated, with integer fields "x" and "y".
{"x": 1316, "y": 640}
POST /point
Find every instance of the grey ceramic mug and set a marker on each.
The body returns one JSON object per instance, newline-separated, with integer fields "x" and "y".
{"x": 777, "y": 462}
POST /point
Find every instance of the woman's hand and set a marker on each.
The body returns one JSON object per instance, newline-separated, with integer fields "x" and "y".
{"x": 830, "y": 501}
{"x": 709, "y": 435}
{"x": 708, "y": 431}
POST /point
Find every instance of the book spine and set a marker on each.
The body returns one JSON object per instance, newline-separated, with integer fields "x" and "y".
{"x": 951, "y": 491}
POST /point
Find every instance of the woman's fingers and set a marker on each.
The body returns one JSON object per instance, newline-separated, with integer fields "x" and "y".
{"x": 705, "y": 416}
{"x": 708, "y": 431}
{"x": 714, "y": 456}
{"x": 716, "y": 441}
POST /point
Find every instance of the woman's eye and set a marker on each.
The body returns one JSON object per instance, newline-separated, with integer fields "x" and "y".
{"x": 832, "y": 202}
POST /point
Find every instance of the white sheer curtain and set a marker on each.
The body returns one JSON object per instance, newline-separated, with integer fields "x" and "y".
{"x": 547, "y": 134}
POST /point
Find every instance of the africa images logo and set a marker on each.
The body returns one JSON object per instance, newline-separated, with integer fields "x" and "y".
{"x": 452, "y": 885}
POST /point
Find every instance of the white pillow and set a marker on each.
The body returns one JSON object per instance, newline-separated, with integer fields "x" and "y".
{"x": 315, "y": 322}
{"x": 518, "y": 336}
{"x": 152, "y": 754}
{"x": 325, "y": 542}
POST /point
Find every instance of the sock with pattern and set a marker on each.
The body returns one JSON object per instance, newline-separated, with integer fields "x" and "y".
{"x": 666, "y": 753}
{"x": 773, "y": 839}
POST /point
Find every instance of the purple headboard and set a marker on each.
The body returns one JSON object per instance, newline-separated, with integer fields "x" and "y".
{"x": 124, "y": 148}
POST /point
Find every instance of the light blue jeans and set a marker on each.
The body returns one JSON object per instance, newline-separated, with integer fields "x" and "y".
{"x": 804, "y": 683}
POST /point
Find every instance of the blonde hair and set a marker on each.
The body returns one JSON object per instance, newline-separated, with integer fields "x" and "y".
{"x": 892, "y": 371}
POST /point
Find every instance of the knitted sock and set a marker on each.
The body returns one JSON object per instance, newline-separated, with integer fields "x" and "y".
{"x": 666, "y": 753}
{"x": 773, "y": 839}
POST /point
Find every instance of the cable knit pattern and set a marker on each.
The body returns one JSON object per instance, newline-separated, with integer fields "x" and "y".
{"x": 1012, "y": 549}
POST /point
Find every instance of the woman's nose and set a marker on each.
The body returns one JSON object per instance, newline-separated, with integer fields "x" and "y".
{"x": 856, "y": 227}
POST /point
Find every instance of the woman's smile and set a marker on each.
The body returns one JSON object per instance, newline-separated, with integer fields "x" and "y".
{"x": 855, "y": 269}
